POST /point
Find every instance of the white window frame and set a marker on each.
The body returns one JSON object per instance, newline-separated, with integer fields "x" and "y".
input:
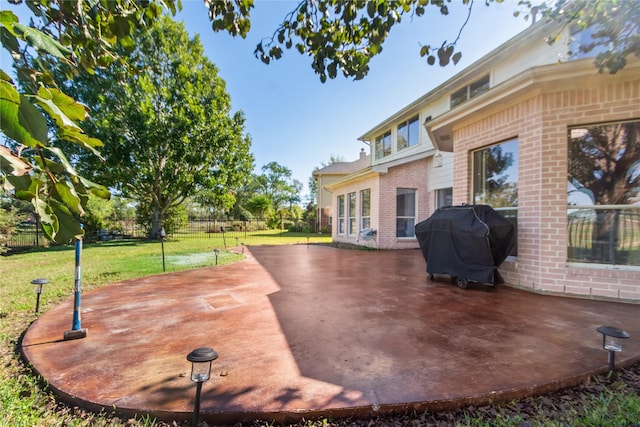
{"x": 470, "y": 91}
{"x": 409, "y": 229}
{"x": 383, "y": 146}
{"x": 365, "y": 209}
{"x": 412, "y": 139}
{"x": 351, "y": 214}
{"x": 508, "y": 211}
{"x": 340, "y": 207}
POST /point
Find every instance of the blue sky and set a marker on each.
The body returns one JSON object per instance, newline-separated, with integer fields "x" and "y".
{"x": 297, "y": 121}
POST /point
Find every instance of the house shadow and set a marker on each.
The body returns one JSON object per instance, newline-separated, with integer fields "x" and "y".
{"x": 373, "y": 323}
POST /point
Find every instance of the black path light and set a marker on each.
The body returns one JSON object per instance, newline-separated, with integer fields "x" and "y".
{"x": 200, "y": 359}
{"x": 612, "y": 342}
{"x": 163, "y": 236}
{"x": 216, "y": 252}
{"x": 37, "y": 286}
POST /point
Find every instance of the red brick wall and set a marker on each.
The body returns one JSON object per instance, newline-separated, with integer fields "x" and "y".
{"x": 413, "y": 175}
{"x": 540, "y": 121}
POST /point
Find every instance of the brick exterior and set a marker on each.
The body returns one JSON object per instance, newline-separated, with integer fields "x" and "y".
{"x": 539, "y": 120}
{"x": 413, "y": 175}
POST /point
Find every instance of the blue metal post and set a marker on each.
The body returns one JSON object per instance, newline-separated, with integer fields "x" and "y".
{"x": 77, "y": 288}
{"x": 76, "y": 328}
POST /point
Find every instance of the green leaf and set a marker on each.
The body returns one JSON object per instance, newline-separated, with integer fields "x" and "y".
{"x": 19, "y": 119}
{"x": 62, "y": 108}
{"x": 371, "y": 9}
{"x": 69, "y": 229}
{"x": 32, "y": 120}
{"x": 25, "y": 187}
{"x": 77, "y": 137}
{"x": 96, "y": 189}
{"x": 68, "y": 197}
{"x": 9, "y": 41}
{"x": 7, "y": 18}
{"x": 7, "y": 21}
{"x": 48, "y": 220}
{"x": 68, "y": 169}
{"x": 121, "y": 26}
{"x": 42, "y": 42}
{"x": 5, "y": 77}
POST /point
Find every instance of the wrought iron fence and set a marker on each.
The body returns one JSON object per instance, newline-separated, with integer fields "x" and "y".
{"x": 231, "y": 232}
{"x": 604, "y": 235}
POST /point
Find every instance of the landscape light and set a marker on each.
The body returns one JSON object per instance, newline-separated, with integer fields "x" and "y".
{"x": 163, "y": 236}
{"x": 38, "y": 285}
{"x": 612, "y": 342}
{"x": 216, "y": 251}
{"x": 200, "y": 359}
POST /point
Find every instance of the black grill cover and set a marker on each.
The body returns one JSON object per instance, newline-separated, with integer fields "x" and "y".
{"x": 469, "y": 242}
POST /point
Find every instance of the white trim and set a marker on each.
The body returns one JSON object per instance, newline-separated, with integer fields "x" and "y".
{"x": 481, "y": 66}
{"x": 594, "y": 266}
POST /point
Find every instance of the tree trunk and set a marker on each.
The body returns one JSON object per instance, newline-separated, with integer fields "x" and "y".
{"x": 156, "y": 223}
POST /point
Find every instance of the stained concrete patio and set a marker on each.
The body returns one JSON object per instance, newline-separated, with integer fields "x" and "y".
{"x": 305, "y": 331}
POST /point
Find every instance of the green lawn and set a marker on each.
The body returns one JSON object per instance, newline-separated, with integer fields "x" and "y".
{"x": 25, "y": 400}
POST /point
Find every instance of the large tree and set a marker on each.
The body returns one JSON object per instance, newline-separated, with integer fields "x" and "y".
{"x": 338, "y": 36}
{"x": 277, "y": 185}
{"x": 167, "y": 126}
{"x": 272, "y": 193}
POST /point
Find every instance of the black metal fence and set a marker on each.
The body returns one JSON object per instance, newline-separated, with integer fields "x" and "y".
{"x": 231, "y": 231}
{"x": 604, "y": 235}
{"x": 594, "y": 235}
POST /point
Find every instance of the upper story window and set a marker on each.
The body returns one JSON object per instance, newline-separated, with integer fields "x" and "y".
{"x": 408, "y": 133}
{"x": 383, "y": 145}
{"x": 472, "y": 90}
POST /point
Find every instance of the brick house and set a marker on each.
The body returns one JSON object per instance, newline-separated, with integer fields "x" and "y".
{"x": 325, "y": 176}
{"x": 515, "y": 130}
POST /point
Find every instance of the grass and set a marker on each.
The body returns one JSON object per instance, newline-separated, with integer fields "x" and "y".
{"x": 26, "y": 401}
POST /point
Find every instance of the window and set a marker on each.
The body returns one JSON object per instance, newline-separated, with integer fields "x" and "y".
{"x": 383, "y": 145}
{"x": 603, "y": 191}
{"x": 405, "y": 212}
{"x": 408, "y": 133}
{"x": 495, "y": 179}
{"x": 444, "y": 197}
{"x": 341, "y": 214}
{"x": 352, "y": 214}
{"x": 365, "y": 209}
{"x": 472, "y": 90}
